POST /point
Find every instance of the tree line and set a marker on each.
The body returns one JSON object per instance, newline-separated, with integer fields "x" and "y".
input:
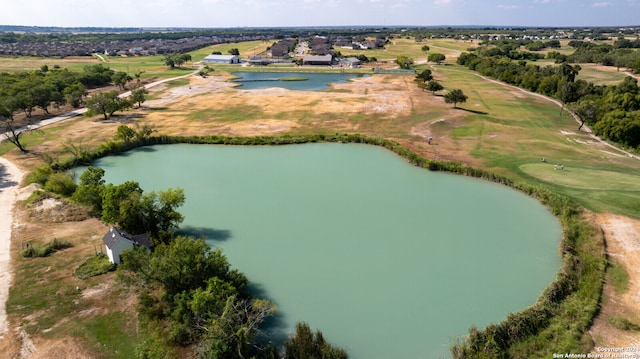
{"x": 621, "y": 53}
{"x": 613, "y": 111}
{"x": 22, "y": 93}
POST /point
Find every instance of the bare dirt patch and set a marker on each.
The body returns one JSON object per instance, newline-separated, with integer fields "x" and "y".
{"x": 622, "y": 235}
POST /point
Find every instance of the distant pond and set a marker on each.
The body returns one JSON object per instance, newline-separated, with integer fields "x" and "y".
{"x": 302, "y": 81}
{"x": 387, "y": 259}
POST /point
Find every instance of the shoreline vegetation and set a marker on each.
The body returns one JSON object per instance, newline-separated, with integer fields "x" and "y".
{"x": 559, "y": 319}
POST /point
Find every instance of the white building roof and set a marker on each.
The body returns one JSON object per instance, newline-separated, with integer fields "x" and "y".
{"x": 221, "y": 57}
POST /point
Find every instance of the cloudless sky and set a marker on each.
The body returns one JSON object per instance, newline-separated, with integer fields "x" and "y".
{"x": 275, "y": 13}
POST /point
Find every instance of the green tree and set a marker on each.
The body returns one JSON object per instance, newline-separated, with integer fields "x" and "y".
{"x": 425, "y": 48}
{"x": 455, "y": 97}
{"x": 95, "y": 75}
{"x": 113, "y": 198}
{"x": 42, "y": 95}
{"x": 434, "y": 86}
{"x": 436, "y": 57}
{"x": 237, "y": 325}
{"x": 170, "y": 60}
{"x": 183, "y": 265}
{"x": 120, "y": 79}
{"x": 158, "y": 212}
{"x": 61, "y": 183}
{"x": 234, "y": 51}
{"x": 424, "y": 76}
{"x": 106, "y": 104}
{"x": 91, "y": 188}
{"x": 125, "y": 133}
{"x": 404, "y": 62}
{"x": 304, "y": 344}
{"x": 74, "y": 94}
{"x": 138, "y": 95}
{"x": 142, "y": 132}
{"x": 176, "y": 60}
{"x": 154, "y": 213}
{"x": 587, "y": 111}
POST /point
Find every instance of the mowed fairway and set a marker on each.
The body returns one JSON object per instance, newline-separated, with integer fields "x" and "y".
{"x": 601, "y": 75}
{"x": 583, "y": 178}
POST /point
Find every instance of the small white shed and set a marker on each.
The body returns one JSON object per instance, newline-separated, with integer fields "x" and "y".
{"x": 117, "y": 241}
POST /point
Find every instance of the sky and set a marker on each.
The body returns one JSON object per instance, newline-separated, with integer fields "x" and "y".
{"x": 284, "y": 13}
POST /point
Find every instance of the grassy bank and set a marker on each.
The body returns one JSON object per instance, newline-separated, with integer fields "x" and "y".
{"x": 564, "y": 311}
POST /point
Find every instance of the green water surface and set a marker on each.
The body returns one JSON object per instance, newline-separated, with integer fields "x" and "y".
{"x": 387, "y": 259}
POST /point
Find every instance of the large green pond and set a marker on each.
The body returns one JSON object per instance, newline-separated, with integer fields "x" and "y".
{"x": 387, "y": 259}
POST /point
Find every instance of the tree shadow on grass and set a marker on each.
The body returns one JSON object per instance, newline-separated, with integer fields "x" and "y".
{"x": 472, "y": 111}
{"x": 206, "y": 233}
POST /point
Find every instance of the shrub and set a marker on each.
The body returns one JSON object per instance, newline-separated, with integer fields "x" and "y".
{"x": 44, "y": 251}
{"x": 40, "y": 175}
{"x": 60, "y": 183}
{"x": 94, "y": 266}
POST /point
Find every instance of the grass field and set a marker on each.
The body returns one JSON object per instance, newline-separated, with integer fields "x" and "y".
{"x": 601, "y": 75}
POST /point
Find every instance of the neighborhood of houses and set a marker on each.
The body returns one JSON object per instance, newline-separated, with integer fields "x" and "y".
{"x": 118, "y": 47}
{"x": 318, "y": 50}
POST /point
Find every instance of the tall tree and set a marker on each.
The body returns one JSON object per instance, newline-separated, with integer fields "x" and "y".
{"x": 117, "y": 201}
{"x": 91, "y": 187}
{"x": 436, "y": 57}
{"x": 404, "y": 62}
{"x": 138, "y": 95}
{"x": 434, "y": 86}
{"x": 455, "y": 97}
{"x": 176, "y": 60}
{"x": 125, "y": 133}
{"x": 424, "y": 76}
{"x": 74, "y": 94}
{"x": 106, "y": 104}
{"x": 120, "y": 79}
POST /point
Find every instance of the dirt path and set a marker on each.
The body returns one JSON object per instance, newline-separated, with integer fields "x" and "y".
{"x": 622, "y": 235}
{"x": 10, "y": 178}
